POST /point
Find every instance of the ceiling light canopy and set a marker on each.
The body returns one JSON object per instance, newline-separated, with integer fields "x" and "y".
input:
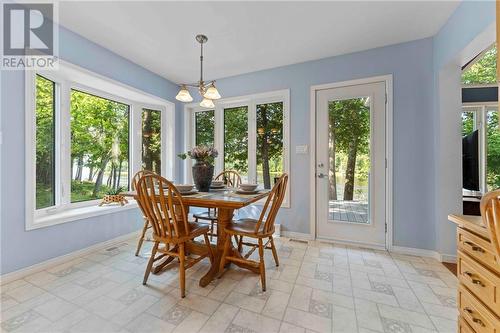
{"x": 207, "y": 90}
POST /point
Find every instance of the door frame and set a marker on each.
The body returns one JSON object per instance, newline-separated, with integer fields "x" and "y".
{"x": 388, "y": 150}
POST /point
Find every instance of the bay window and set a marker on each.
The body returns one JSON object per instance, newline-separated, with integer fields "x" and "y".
{"x": 83, "y": 142}
{"x": 251, "y": 134}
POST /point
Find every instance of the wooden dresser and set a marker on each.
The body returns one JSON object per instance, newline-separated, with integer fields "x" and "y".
{"x": 478, "y": 273}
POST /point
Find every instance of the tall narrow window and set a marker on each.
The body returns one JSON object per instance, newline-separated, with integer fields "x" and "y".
{"x": 99, "y": 146}
{"x": 236, "y": 140}
{"x": 269, "y": 143}
{"x": 204, "y": 128}
{"x": 45, "y": 142}
{"x": 492, "y": 149}
{"x": 151, "y": 140}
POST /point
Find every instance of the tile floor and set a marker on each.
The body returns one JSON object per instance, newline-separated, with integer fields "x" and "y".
{"x": 318, "y": 287}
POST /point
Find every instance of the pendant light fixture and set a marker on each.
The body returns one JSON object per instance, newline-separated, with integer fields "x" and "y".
{"x": 207, "y": 90}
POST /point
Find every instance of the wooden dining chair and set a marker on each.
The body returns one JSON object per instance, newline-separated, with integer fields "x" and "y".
{"x": 232, "y": 179}
{"x": 260, "y": 229}
{"x": 490, "y": 212}
{"x": 147, "y": 225}
{"x": 166, "y": 212}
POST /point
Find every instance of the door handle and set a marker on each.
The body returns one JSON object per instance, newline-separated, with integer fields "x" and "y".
{"x": 321, "y": 175}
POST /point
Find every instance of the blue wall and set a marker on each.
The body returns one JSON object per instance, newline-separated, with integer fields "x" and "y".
{"x": 411, "y": 67}
{"x": 20, "y": 248}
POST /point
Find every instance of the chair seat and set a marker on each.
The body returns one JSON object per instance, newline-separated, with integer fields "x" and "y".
{"x": 212, "y": 216}
{"x": 246, "y": 227}
{"x": 195, "y": 229}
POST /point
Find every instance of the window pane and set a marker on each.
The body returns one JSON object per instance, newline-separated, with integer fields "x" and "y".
{"x": 468, "y": 125}
{"x": 483, "y": 71}
{"x": 492, "y": 149}
{"x": 269, "y": 143}
{"x": 151, "y": 140}
{"x": 204, "y": 128}
{"x": 45, "y": 142}
{"x": 99, "y": 146}
{"x": 236, "y": 140}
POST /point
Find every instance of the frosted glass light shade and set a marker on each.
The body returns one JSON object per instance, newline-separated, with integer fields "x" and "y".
{"x": 212, "y": 93}
{"x": 207, "y": 103}
{"x": 184, "y": 95}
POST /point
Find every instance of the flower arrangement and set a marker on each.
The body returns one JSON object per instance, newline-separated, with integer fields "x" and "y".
{"x": 201, "y": 153}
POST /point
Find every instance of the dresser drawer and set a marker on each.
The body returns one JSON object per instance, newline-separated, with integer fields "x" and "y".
{"x": 478, "y": 248}
{"x": 484, "y": 284}
{"x": 463, "y": 326}
{"x": 477, "y": 315}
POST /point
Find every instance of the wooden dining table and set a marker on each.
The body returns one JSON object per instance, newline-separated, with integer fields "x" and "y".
{"x": 225, "y": 201}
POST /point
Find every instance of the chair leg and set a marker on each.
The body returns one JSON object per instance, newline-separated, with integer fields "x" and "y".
{"x": 139, "y": 244}
{"x": 209, "y": 249}
{"x": 182, "y": 270}
{"x": 150, "y": 263}
{"x": 212, "y": 222}
{"x": 240, "y": 244}
{"x": 227, "y": 245}
{"x": 275, "y": 254}
{"x": 262, "y": 266}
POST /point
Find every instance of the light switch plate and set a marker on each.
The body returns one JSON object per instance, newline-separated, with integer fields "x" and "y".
{"x": 301, "y": 149}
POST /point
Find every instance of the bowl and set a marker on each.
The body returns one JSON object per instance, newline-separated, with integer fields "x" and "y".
{"x": 248, "y": 187}
{"x": 184, "y": 187}
{"x": 217, "y": 183}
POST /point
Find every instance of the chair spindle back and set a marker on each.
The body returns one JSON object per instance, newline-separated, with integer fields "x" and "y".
{"x": 158, "y": 197}
{"x": 230, "y": 177}
{"x": 273, "y": 204}
{"x": 490, "y": 212}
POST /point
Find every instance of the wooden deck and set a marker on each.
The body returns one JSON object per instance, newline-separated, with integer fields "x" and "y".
{"x": 348, "y": 211}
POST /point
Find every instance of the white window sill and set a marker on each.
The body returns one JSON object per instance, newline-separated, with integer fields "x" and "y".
{"x": 78, "y": 214}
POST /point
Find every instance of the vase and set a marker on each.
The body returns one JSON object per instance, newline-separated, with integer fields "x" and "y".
{"x": 202, "y": 175}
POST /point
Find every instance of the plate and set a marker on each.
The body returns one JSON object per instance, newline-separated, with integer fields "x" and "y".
{"x": 189, "y": 192}
{"x": 239, "y": 191}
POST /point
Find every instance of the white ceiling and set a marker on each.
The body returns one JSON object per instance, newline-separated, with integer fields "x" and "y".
{"x": 247, "y": 36}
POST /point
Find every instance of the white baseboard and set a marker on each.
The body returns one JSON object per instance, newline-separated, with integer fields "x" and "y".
{"x": 353, "y": 243}
{"x": 424, "y": 253}
{"x": 21, "y": 273}
{"x": 296, "y": 235}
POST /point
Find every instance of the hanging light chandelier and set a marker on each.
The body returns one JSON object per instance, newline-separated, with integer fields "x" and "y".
{"x": 207, "y": 90}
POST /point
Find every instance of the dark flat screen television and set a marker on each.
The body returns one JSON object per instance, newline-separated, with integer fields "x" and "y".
{"x": 470, "y": 161}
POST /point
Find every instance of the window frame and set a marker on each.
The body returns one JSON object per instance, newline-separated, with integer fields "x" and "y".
{"x": 480, "y": 112}
{"x": 251, "y": 101}
{"x": 71, "y": 77}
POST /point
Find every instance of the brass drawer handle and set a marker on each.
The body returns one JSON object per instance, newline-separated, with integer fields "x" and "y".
{"x": 469, "y": 274}
{"x": 475, "y": 320}
{"x": 474, "y": 247}
{"x": 478, "y": 282}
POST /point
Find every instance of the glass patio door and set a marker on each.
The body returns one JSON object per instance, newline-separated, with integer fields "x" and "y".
{"x": 350, "y": 163}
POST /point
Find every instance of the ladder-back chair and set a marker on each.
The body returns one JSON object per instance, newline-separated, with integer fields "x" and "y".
{"x": 490, "y": 212}
{"x": 166, "y": 212}
{"x": 147, "y": 225}
{"x": 260, "y": 229}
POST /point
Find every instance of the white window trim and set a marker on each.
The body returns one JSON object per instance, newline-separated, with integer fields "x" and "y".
{"x": 69, "y": 77}
{"x": 251, "y": 101}
{"x": 480, "y": 110}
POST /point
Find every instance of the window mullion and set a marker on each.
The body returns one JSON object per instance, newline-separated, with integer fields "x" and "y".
{"x": 252, "y": 142}
{"x": 135, "y": 140}
{"x": 63, "y": 143}
{"x": 483, "y": 149}
{"x": 219, "y": 138}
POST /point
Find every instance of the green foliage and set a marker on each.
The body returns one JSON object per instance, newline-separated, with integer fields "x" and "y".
{"x": 467, "y": 123}
{"x": 493, "y": 151}
{"x": 84, "y": 191}
{"x": 483, "y": 71}
{"x": 205, "y": 128}
{"x": 151, "y": 140}
{"x": 45, "y": 134}
{"x": 236, "y": 139}
{"x": 115, "y": 191}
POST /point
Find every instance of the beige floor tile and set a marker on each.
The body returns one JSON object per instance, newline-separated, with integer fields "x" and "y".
{"x": 247, "y": 302}
{"x": 344, "y": 320}
{"x": 256, "y": 322}
{"x": 307, "y": 320}
{"x": 406, "y": 316}
{"x": 300, "y": 298}
{"x": 221, "y": 319}
{"x": 25, "y": 292}
{"x": 289, "y": 328}
{"x": 276, "y": 305}
{"x": 55, "y": 309}
{"x": 105, "y": 307}
{"x": 149, "y": 323}
{"x": 199, "y": 303}
{"x": 192, "y": 324}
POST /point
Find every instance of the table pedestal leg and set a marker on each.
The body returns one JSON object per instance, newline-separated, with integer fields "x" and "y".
{"x": 225, "y": 216}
